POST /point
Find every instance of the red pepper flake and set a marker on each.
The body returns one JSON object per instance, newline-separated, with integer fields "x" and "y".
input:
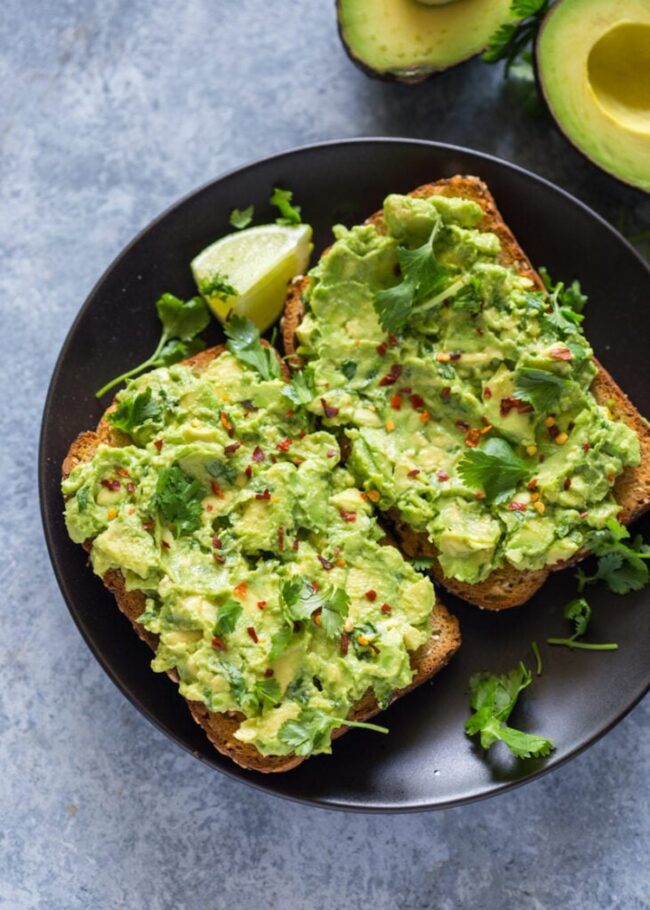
{"x": 258, "y": 454}
{"x": 442, "y": 475}
{"x": 111, "y": 484}
{"x": 371, "y": 596}
{"x": 158, "y": 444}
{"x": 413, "y": 473}
{"x": 326, "y": 564}
{"x": 392, "y": 341}
{"x": 405, "y": 390}
{"x": 586, "y": 446}
{"x": 542, "y": 459}
{"x": 284, "y": 445}
{"x": 328, "y": 410}
{"x": 472, "y": 437}
{"x": 396, "y": 402}
{"x": 331, "y": 453}
{"x": 445, "y": 393}
{"x": 253, "y": 634}
{"x": 386, "y": 608}
{"x": 281, "y": 538}
{"x": 225, "y": 422}
{"x": 216, "y": 543}
{"x": 148, "y": 525}
{"x": 584, "y": 514}
{"x": 289, "y": 413}
{"x": 265, "y": 495}
{"x": 382, "y": 348}
{"x": 514, "y": 404}
{"x": 462, "y": 425}
{"x": 554, "y": 431}
{"x": 567, "y": 483}
{"x": 315, "y": 617}
{"x": 218, "y": 558}
{"x": 218, "y": 643}
{"x": 417, "y": 401}
{"x": 261, "y": 604}
{"x": 487, "y": 393}
{"x": 392, "y": 375}
{"x": 216, "y": 489}
{"x": 315, "y": 585}
{"x": 274, "y": 460}
{"x": 347, "y": 516}
{"x": 248, "y": 405}
{"x": 232, "y": 448}
{"x": 302, "y": 434}
{"x": 241, "y": 590}
{"x": 344, "y": 643}
{"x": 122, "y": 472}
{"x": 295, "y": 545}
{"x": 130, "y": 487}
{"x": 455, "y": 355}
{"x": 164, "y": 544}
{"x": 560, "y": 353}
{"x": 249, "y": 471}
{"x": 515, "y": 506}
{"x": 268, "y": 673}
{"x": 479, "y": 494}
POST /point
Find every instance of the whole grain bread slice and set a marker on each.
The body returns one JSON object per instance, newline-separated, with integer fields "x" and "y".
{"x": 506, "y": 586}
{"x": 220, "y": 728}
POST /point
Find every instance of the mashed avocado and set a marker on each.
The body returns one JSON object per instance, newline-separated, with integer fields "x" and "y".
{"x": 259, "y": 558}
{"x": 464, "y": 392}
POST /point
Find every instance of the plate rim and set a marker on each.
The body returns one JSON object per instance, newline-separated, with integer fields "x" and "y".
{"x": 235, "y": 773}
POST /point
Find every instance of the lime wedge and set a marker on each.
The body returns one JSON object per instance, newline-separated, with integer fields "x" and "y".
{"x": 248, "y": 272}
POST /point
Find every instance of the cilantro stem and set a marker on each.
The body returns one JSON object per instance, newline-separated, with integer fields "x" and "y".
{"x": 534, "y": 647}
{"x": 582, "y": 645}
{"x": 341, "y": 721}
{"x": 135, "y": 370}
{"x": 453, "y": 289}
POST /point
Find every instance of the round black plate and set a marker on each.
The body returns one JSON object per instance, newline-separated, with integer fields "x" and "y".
{"x": 426, "y": 761}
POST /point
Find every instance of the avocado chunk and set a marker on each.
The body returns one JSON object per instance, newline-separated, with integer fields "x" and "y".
{"x": 593, "y": 61}
{"x": 409, "y": 40}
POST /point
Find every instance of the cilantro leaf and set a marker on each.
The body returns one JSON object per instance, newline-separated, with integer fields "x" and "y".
{"x": 421, "y": 563}
{"x": 570, "y": 296}
{"x": 302, "y": 599}
{"x": 227, "y": 618}
{"x": 218, "y": 286}
{"x": 493, "y": 468}
{"x": 513, "y": 40}
{"x": 135, "y": 414}
{"x": 244, "y": 342}
{"x": 302, "y": 388}
{"x": 334, "y": 612}
{"x": 247, "y": 701}
{"x": 181, "y": 322}
{"x": 178, "y": 499}
{"x": 267, "y": 692}
{"x": 280, "y": 643}
{"x": 621, "y": 565}
{"x": 493, "y": 698}
{"x": 578, "y": 612}
{"x": 541, "y": 388}
{"x": 241, "y": 218}
{"x": 282, "y": 200}
{"x": 349, "y": 369}
{"x": 311, "y": 731}
{"x": 422, "y": 275}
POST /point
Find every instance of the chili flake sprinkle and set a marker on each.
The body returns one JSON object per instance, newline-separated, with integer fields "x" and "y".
{"x": 371, "y": 596}
{"x": 284, "y": 445}
{"x": 328, "y": 410}
{"x": 266, "y": 495}
{"x": 253, "y": 634}
{"x": 218, "y": 643}
{"x": 392, "y": 375}
{"x": 325, "y": 563}
{"x": 386, "y": 608}
{"x": 347, "y": 516}
{"x": 258, "y": 454}
{"x": 216, "y": 489}
{"x": 232, "y": 448}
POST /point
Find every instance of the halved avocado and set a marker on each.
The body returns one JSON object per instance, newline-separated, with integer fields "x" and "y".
{"x": 409, "y": 40}
{"x": 593, "y": 64}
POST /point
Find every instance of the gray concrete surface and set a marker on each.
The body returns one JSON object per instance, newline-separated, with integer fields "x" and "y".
{"x": 109, "y": 110}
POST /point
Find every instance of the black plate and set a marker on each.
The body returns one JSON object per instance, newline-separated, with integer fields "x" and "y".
{"x": 426, "y": 761}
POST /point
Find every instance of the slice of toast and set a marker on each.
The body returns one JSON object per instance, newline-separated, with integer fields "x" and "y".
{"x": 221, "y": 727}
{"x": 506, "y": 586}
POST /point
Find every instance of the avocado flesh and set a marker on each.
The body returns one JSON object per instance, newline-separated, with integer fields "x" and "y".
{"x": 593, "y": 59}
{"x": 409, "y": 40}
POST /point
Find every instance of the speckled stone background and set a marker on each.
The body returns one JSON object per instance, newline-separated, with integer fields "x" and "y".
{"x": 110, "y": 110}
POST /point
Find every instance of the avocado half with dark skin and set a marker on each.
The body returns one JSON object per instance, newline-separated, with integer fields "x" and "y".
{"x": 410, "y": 40}
{"x": 593, "y": 66}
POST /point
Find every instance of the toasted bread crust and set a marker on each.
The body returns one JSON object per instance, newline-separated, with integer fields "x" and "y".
{"x": 505, "y": 587}
{"x": 221, "y": 727}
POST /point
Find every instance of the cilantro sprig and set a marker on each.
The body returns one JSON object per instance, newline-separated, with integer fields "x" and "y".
{"x": 241, "y": 218}
{"x": 178, "y": 499}
{"x": 227, "y": 617}
{"x": 495, "y": 469}
{"x": 621, "y": 560}
{"x": 301, "y": 600}
{"x": 513, "y": 40}
{"x": 137, "y": 415}
{"x": 181, "y": 321}
{"x": 302, "y": 388}
{"x": 311, "y": 731}
{"x": 289, "y": 213}
{"x": 245, "y": 344}
{"x": 541, "y": 388}
{"x": 493, "y": 698}
{"x": 578, "y": 612}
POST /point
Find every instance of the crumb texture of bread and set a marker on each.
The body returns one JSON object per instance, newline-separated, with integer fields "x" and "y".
{"x": 220, "y": 728}
{"x": 506, "y": 586}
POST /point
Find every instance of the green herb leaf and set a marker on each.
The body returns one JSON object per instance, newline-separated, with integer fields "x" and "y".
{"x": 311, "y": 732}
{"x": 302, "y": 599}
{"x": 578, "y": 612}
{"x": 280, "y": 643}
{"x": 224, "y": 472}
{"x": 282, "y": 200}
{"x": 571, "y": 296}
{"x": 83, "y": 498}
{"x": 218, "y": 286}
{"x": 513, "y": 40}
{"x": 241, "y": 218}
{"x": 541, "y": 388}
{"x": 621, "y": 565}
{"x": 227, "y": 618}
{"x": 421, "y": 563}
{"x": 422, "y": 276}
{"x": 302, "y": 388}
{"x": 349, "y": 369}
{"x": 334, "y": 612}
{"x": 247, "y": 701}
{"x": 137, "y": 414}
{"x": 176, "y": 350}
{"x": 493, "y": 468}
{"x": 244, "y": 342}
{"x": 178, "y": 500}
{"x": 267, "y": 692}
{"x": 493, "y": 698}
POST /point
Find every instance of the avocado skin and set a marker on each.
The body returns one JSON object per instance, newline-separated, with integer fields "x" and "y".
{"x": 539, "y": 79}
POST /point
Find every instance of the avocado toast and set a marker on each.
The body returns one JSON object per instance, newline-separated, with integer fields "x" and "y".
{"x": 480, "y": 422}
{"x": 245, "y": 558}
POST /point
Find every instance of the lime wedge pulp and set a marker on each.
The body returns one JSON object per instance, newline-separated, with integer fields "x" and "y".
{"x": 257, "y": 263}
